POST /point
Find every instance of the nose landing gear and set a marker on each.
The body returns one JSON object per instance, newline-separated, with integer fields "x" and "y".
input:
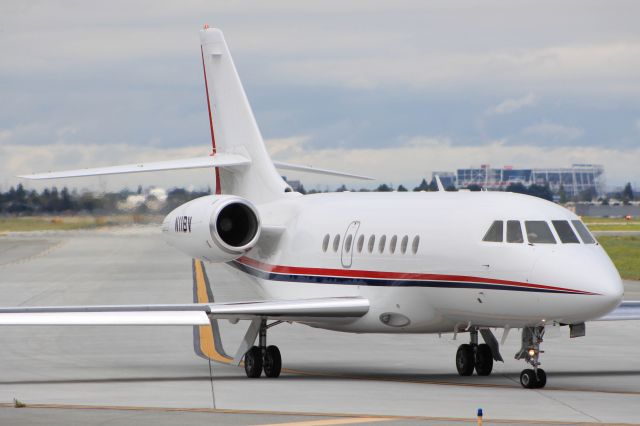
{"x": 535, "y": 378}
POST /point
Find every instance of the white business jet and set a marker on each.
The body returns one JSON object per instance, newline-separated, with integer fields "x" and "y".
{"x": 432, "y": 262}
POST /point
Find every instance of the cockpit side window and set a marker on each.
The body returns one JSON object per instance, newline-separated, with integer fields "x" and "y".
{"x": 494, "y": 234}
{"x": 514, "y": 232}
{"x": 583, "y": 232}
{"x": 564, "y": 231}
{"x": 538, "y": 232}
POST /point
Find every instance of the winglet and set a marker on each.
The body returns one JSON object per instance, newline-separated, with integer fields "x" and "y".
{"x": 207, "y": 342}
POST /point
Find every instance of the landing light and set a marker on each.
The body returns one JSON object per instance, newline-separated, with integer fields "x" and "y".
{"x": 532, "y": 352}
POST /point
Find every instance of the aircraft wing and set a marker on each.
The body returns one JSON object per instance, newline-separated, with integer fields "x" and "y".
{"x": 301, "y": 310}
{"x": 218, "y": 160}
{"x": 627, "y": 310}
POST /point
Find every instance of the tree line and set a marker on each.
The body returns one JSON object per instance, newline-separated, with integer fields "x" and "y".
{"x": 18, "y": 200}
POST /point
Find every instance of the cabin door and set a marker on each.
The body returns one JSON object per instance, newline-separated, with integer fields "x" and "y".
{"x": 348, "y": 244}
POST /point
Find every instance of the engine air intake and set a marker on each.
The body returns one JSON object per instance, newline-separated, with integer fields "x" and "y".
{"x": 237, "y": 224}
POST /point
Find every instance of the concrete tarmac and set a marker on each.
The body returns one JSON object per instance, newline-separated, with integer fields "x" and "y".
{"x": 126, "y": 375}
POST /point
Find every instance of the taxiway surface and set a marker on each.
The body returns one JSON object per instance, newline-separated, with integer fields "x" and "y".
{"x": 591, "y": 379}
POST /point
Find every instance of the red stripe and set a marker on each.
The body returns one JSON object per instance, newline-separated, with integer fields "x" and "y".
{"x": 213, "y": 137}
{"x": 296, "y": 270}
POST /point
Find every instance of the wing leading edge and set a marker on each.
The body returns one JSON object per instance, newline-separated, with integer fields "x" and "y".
{"x": 221, "y": 159}
{"x": 301, "y": 310}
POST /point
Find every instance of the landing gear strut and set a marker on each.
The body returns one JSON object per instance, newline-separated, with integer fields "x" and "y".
{"x": 263, "y": 357}
{"x": 535, "y": 378}
{"x": 473, "y": 355}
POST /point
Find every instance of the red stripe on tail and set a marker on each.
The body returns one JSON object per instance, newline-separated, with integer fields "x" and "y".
{"x": 213, "y": 137}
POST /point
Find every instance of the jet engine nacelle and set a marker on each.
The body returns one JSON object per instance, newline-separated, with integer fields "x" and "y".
{"x": 217, "y": 228}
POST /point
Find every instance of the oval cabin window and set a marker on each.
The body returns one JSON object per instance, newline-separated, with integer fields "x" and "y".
{"x": 336, "y": 243}
{"x": 404, "y": 244}
{"x": 392, "y": 244}
{"x": 347, "y": 243}
{"x": 371, "y": 244}
{"x": 382, "y": 243}
{"x": 325, "y": 243}
{"x": 415, "y": 244}
{"x": 360, "y": 243}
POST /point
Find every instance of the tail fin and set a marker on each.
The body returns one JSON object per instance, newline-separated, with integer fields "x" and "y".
{"x": 233, "y": 127}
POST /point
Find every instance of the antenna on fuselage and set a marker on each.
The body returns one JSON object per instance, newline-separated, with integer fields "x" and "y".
{"x": 439, "y": 183}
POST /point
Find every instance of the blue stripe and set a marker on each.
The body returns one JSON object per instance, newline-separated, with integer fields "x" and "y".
{"x": 375, "y": 282}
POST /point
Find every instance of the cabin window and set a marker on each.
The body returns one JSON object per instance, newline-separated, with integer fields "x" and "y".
{"x": 585, "y": 235}
{"x": 325, "y": 242}
{"x": 538, "y": 232}
{"x": 336, "y": 243}
{"x": 392, "y": 244}
{"x": 347, "y": 243}
{"x": 564, "y": 231}
{"x": 514, "y": 232}
{"x": 372, "y": 243}
{"x": 415, "y": 244}
{"x": 404, "y": 244}
{"x": 382, "y": 243}
{"x": 360, "y": 243}
{"x": 494, "y": 234}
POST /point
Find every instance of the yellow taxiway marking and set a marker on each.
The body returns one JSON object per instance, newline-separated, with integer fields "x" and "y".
{"x": 329, "y": 422}
{"x": 302, "y": 414}
{"x": 207, "y": 344}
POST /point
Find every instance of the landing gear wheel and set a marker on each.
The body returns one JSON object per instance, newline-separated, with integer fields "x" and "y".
{"x": 484, "y": 360}
{"x": 528, "y": 379}
{"x": 465, "y": 360}
{"x": 542, "y": 378}
{"x": 272, "y": 362}
{"x": 253, "y": 362}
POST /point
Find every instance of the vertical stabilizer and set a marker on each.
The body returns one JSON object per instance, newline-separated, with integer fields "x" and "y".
{"x": 233, "y": 127}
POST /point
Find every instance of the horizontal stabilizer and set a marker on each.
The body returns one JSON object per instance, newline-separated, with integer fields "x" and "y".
{"x": 219, "y": 160}
{"x": 628, "y": 310}
{"x": 315, "y": 170}
{"x": 187, "y": 314}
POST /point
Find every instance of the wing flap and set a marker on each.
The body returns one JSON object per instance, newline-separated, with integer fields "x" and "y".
{"x": 223, "y": 160}
{"x": 628, "y": 310}
{"x": 302, "y": 310}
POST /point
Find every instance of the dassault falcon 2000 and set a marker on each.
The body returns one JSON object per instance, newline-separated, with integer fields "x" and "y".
{"x": 364, "y": 262}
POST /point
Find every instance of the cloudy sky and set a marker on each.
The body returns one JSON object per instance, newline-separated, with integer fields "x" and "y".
{"x": 394, "y": 89}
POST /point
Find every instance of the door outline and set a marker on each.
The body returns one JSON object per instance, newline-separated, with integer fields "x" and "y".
{"x": 347, "y": 257}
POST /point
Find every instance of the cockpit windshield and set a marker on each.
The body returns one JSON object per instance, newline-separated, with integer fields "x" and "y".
{"x": 585, "y": 235}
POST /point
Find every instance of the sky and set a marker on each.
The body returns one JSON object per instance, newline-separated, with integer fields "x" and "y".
{"x": 395, "y": 90}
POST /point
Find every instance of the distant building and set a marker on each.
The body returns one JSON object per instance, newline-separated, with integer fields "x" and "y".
{"x": 574, "y": 179}
{"x": 296, "y": 185}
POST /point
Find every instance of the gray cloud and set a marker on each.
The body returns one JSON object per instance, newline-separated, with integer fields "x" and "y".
{"x": 348, "y": 76}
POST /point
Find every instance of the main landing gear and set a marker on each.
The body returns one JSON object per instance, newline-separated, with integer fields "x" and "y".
{"x": 262, "y": 357}
{"x": 535, "y": 378}
{"x": 474, "y": 356}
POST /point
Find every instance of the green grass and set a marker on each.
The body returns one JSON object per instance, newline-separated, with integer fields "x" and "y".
{"x": 611, "y": 223}
{"x": 625, "y": 253}
{"x": 65, "y": 223}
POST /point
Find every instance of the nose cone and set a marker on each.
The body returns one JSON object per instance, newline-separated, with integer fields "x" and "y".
{"x": 606, "y": 281}
{"x": 591, "y": 281}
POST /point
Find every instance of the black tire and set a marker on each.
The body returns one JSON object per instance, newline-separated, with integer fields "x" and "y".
{"x": 465, "y": 360}
{"x": 528, "y": 379}
{"x": 484, "y": 360}
{"x": 542, "y": 378}
{"x": 253, "y": 362}
{"x": 272, "y": 362}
